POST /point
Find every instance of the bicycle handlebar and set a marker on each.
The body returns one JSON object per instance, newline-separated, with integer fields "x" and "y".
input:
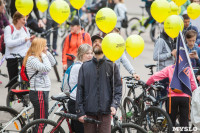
{"x": 72, "y": 56}
{"x": 75, "y": 117}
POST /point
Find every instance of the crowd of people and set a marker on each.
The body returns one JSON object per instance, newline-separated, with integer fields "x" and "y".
{"x": 95, "y": 89}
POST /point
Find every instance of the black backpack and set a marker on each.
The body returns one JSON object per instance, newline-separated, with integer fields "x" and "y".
{"x": 124, "y": 22}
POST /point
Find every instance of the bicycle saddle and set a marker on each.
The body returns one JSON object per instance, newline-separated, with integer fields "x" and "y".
{"x": 20, "y": 92}
{"x": 142, "y": 6}
{"x": 60, "y": 98}
{"x": 149, "y": 65}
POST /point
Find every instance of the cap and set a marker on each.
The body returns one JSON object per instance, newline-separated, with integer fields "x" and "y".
{"x": 96, "y": 37}
{"x": 75, "y": 21}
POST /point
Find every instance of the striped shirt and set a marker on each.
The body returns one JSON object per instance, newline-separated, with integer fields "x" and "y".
{"x": 40, "y": 81}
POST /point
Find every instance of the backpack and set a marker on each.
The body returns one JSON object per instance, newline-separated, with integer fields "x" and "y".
{"x": 124, "y": 22}
{"x": 24, "y": 74}
{"x": 2, "y": 43}
{"x": 70, "y": 36}
{"x": 65, "y": 82}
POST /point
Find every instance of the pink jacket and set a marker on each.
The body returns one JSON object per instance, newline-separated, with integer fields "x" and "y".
{"x": 167, "y": 72}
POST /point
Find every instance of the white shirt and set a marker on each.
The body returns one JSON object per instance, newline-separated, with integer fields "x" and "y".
{"x": 15, "y": 42}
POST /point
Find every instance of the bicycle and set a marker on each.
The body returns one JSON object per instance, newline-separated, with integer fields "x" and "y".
{"x": 144, "y": 109}
{"x": 125, "y": 127}
{"x": 10, "y": 117}
{"x": 51, "y": 126}
{"x": 135, "y": 23}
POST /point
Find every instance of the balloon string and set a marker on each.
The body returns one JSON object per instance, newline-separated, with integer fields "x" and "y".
{"x": 113, "y": 80}
{"x": 79, "y": 18}
{"x": 159, "y": 46}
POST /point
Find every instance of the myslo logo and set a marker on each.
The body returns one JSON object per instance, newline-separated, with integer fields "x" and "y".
{"x": 184, "y": 129}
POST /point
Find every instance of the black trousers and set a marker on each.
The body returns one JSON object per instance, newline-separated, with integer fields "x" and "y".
{"x": 50, "y": 24}
{"x": 76, "y": 126}
{"x": 40, "y": 102}
{"x": 150, "y": 17}
{"x": 179, "y": 105}
{"x": 12, "y": 67}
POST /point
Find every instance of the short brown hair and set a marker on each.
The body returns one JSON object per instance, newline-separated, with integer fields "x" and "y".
{"x": 16, "y": 17}
{"x": 1, "y": 2}
{"x": 190, "y": 33}
{"x": 185, "y": 16}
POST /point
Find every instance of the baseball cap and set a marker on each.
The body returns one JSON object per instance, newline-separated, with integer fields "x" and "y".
{"x": 75, "y": 21}
{"x": 96, "y": 37}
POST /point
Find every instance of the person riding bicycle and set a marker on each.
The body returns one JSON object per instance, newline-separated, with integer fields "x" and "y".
{"x": 147, "y": 7}
{"x": 38, "y": 61}
{"x": 73, "y": 40}
{"x": 35, "y": 25}
{"x": 17, "y": 40}
{"x": 84, "y": 54}
{"x": 99, "y": 90}
{"x": 180, "y": 102}
{"x": 120, "y": 10}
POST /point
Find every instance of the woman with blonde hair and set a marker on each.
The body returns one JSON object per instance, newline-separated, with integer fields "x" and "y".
{"x": 39, "y": 61}
{"x": 84, "y": 54}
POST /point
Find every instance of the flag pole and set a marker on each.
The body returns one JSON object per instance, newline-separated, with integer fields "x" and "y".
{"x": 187, "y": 55}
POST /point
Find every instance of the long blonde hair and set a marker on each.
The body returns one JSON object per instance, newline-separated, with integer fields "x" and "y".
{"x": 37, "y": 46}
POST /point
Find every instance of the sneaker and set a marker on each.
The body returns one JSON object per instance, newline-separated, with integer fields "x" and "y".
{"x": 142, "y": 29}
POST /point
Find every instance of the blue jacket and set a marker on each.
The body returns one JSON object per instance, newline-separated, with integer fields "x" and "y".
{"x": 195, "y": 62}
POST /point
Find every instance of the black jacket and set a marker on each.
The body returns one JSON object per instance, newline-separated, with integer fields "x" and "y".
{"x": 95, "y": 93}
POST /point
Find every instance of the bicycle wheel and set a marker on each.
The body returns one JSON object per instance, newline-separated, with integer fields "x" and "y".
{"x": 6, "y": 115}
{"x": 45, "y": 125}
{"x": 91, "y": 29}
{"x": 56, "y": 72}
{"x": 155, "y": 31}
{"x": 133, "y": 26}
{"x": 132, "y": 112}
{"x": 16, "y": 103}
{"x": 62, "y": 29}
{"x": 128, "y": 128}
{"x": 156, "y": 120}
{"x": 12, "y": 100}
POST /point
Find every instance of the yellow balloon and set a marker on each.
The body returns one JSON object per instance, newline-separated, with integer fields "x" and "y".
{"x": 77, "y": 4}
{"x": 172, "y": 25}
{"x": 179, "y": 2}
{"x": 174, "y": 9}
{"x": 24, "y": 6}
{"x": 59, "y": 11}
{"x": 193, "y": 10}
{"x": 160, "y": 10}
{"x": 42, "y": 5}
{"x": 134, "y": 45}
{"x": 113, "y": 46}
{"x": 106, "y": 19}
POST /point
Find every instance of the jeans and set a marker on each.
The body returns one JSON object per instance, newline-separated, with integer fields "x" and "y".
{"x": 150, "y": 17}
{"x": 52, "y": 23}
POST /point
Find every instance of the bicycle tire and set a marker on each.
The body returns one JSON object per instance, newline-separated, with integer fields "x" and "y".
{"x": 159, "y": 123}
{"x": 10, "y": 113}
{"x": 62, "y": 44}
{"x": 133, "y": 27}
{"x": 28, "y": 128}
{"x": 56, "y": 72}
{"x": 62, "y": 29}
{"x": 154, "y": 32}
{"x": 91, "y": 29}
{"x": 131, "y": 110}
{"x": 128, "y": 126}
